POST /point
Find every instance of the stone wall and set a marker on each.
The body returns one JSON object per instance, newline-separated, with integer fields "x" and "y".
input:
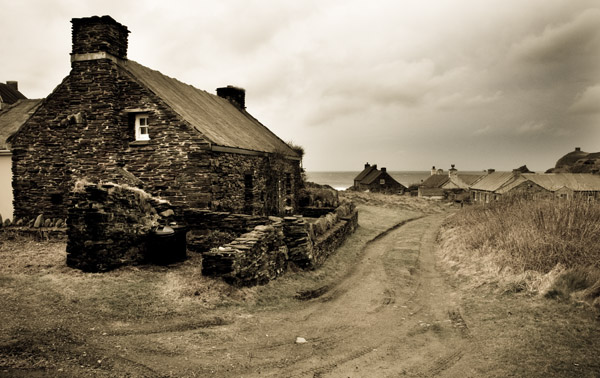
{"x": 265, "y": 253}
{"x": 109, "y": 226}
{"x": 208, "y": 229}
{"x": 254, "y": 258}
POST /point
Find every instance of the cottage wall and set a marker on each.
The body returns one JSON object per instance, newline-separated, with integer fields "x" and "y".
{"x": 6, "y": 208}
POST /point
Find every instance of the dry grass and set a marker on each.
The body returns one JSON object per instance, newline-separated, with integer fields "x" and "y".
{"x": 544, "y": 246}
{"x": 398, "y": 202}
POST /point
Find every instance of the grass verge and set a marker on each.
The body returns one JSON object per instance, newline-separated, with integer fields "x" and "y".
{"x": 544, "y": 246}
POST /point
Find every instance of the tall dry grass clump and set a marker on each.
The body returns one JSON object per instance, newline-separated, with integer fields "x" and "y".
{"x": 533, "y": 235}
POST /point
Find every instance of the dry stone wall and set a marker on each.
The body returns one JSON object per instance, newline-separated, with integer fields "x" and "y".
{"x": 265, "y": 253}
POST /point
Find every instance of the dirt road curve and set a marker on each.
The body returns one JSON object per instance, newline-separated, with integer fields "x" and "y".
{"x": 393, "y": 315}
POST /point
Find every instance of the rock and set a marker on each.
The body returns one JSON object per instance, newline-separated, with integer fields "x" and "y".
{"x": 7, "y": 222}
{"x": 20, "y": 222}
{"x": 300, "y": 340}
{"x": 48, "y": 222}
{"x": 59, "y": 223}
{"x": 167, "y": 213}
{"x": 39, "y": 221}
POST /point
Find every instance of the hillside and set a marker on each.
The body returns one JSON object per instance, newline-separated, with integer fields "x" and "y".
{"x": 577, "y": 161}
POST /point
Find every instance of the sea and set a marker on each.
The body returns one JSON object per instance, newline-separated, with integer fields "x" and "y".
{"x": 343, "y": 180}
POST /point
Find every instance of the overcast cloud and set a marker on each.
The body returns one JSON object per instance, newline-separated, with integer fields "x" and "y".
{"x": 404, "y": 84}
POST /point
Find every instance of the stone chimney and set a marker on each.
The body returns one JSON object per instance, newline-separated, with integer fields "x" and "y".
{"x": 433, "y": 171}
{"x": 13, "y": 84}
{"x": 367, "y": 165}
{"x": 452, "y": 171}
{"x": 490, "y": 170}
{"x": 98, "y": 38}
{"x": 577, "y": 149}
{"x": 383, "y": 169}
{"x": 374, "y": 166}
{"x": 235, "y": 95}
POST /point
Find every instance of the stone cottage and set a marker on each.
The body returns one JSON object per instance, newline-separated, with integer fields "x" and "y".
{"x": 114, "y": 120}
{"x": 375, "y": 180}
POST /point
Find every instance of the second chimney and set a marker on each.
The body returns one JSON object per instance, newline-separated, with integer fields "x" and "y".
{"x": 13, "y": 84}
{"x": 235, "y": 95}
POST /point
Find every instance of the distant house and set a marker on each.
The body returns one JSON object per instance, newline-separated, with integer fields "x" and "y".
{"x": 489, "y": 187}
{"x": 12, "y": 117}
{"x": 374, "y": 180}
{"x": 9, "y": 93}
{"x": 453, "y": 186}
{"x": 114, "y": 120}
{"x": 536, "y": 186}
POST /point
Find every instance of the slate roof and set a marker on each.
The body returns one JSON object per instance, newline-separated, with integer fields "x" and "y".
{"x": 13, "y": 116}
{"x": 361, "y": 176}
{"x": 435, "y": 181}
{"x": 493, "y": 181}
{"x": 10, "y": 95}
{"x": 575, "y": 181}
{"x": 469, "y": 179}
{"x": 214, "y": 117}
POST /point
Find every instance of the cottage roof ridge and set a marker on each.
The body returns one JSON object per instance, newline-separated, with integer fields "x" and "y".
{"x": 493, "y": 181}
{"x": 220, "y": 122}
{"x": 365, "y": 172}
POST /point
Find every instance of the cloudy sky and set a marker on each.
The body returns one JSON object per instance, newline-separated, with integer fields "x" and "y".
{"x": 406, "y": 84}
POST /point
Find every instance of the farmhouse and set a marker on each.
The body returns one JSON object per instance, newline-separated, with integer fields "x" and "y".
{"x": 454, "y": 185}
{"x": 114, "y": 120}
{"x": 375, "y": 180}
{"x": 12, "y": 117}
{"x": 536, "y": 186}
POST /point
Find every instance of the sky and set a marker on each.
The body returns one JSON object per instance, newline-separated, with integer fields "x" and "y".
{"x": 405, "y": 84}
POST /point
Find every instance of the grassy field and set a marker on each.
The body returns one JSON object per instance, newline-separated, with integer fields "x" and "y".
{"x": 545, "y": 246}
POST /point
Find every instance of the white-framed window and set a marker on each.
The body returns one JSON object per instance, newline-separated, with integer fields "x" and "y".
{"x": 142, "y": 131}
{"x": 382, "y": 182}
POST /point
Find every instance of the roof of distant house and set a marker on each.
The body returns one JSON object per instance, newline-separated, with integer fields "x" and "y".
{"x": 493, "y": 181}
{"x": 435, "y": 181}
{"x": 10, "y": 95}
{"x": 13, "y": 116}
{"x": 368, "y": 169}
{"x": 574, "y": 181}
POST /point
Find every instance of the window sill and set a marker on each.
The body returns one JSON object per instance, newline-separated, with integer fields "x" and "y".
{"x": 139, "y": 143}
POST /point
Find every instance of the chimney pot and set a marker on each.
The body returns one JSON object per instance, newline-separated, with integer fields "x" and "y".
{"x": 367, "y": 165}
{"x": 13, "y": 84}
{"x": 236, "y": 96}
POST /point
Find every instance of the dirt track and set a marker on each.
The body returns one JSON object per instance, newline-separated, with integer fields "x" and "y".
{"x": 392, "y": 315}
